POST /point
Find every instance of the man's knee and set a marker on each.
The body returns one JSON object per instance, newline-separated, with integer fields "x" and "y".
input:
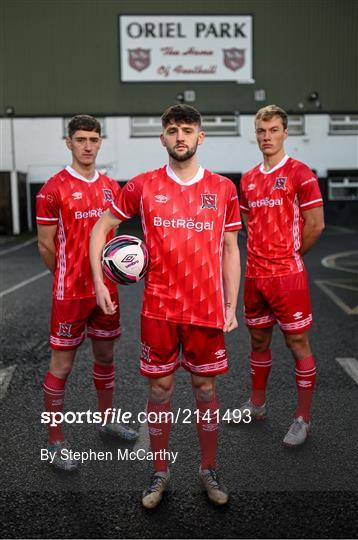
{"x": 204, "y": 388}
{"x": 298, "y": 344}
{"x": 103, "y": 352}
{"x": 61, "y": 363}
{"x": 161, "y": 390}
{"x": 260, "y": 339}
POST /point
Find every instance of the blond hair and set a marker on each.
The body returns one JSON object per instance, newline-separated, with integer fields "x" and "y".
{"x": 269, "y": 112}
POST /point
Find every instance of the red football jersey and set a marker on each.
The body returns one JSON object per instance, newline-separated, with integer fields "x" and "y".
{"x": 274, "y": 201}
{"x": 74, "y": 204}
{"x": 184, "y": 225}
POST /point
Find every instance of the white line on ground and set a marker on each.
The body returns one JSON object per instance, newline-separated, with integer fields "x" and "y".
{"x": 24, "y": 283}
{"x": 326, "y": 285}
{"x": 350, "y": 366}
{"x": 143, "y": 439}
{"x": 5, "y": 378}
{"x": 332, "y": 261}
{"x": 18, "y": 246}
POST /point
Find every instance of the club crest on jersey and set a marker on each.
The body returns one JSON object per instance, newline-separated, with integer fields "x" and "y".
{"x": 280, "y": 182}
{"x": 208, "y": 200}
{"x": 107, "y": 194}
{"x": 64, "y": 329}
{"x": 145, "y": 352}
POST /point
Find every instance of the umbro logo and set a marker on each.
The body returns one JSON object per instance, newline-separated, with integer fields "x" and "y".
{"x": 250, "y": 187}
{"x": 297, "y": 315}
{"x": 77, "y": 195}
{"x": 220, "y": 353}
{"x": 161, "y": 198}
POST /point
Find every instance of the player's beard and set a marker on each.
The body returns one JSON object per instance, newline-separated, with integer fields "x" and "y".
{"x": 183, "y": 157}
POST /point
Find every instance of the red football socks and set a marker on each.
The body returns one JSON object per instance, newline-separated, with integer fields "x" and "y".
{"x": 54, "y": 393}
{"x": 260, "y": 363}
{"x": 159, "y": 431}
{"x": 103, "y": 378}
{"x": 207, "y": 426}
{"x": 305, "y": 381}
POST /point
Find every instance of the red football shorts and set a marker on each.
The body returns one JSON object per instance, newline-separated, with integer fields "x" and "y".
{"x": 69, "y": 319}
{"x": 282, "y": 299}
{"x": 203, "y": 349}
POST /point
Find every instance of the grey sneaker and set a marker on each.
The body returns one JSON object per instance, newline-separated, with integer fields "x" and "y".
{"x": 118, "y": 431}
{"x": 62, "y": 457}
{"x": 298, "y": 432}
{"x": 154, "y": 493}
{"x": 247, "y": 412}
{"x": 216, "y": 491}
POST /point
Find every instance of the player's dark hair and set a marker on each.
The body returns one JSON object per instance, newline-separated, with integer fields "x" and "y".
{"x": 181, "y": 114}
{"x": 84, "y": 122}
{"x": 269, "y": 112}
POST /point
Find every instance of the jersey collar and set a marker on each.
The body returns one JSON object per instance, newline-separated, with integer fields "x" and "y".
{"x": 80, "y": 177}
{"x": 199, "y": 176}
{"x": 278, "y": 166}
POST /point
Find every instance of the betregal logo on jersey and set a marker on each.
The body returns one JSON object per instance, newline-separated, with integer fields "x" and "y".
{"x": 198, "y": 226}
{"x": 265, "y": 202}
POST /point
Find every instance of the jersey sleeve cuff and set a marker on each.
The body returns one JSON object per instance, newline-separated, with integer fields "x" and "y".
{"x": 46, "y": 221}
{"x": 118, "y": 212}
{"x": 233, "y": 226}
{"x": 311, "y": 204}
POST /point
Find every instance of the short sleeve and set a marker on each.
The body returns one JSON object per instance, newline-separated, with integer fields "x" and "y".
{"x": 233, "y": 218}
{"x": 127, "y": 203}
{"x": 47, "y": 207}
{"x": 309, "y": 194}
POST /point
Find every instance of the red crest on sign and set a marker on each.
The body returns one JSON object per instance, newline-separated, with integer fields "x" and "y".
{"x": 139, "y": 59}
{"x": 234, "y": 59}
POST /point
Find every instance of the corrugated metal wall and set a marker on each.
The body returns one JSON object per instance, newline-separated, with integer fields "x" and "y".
{"x": 61, "y": 57}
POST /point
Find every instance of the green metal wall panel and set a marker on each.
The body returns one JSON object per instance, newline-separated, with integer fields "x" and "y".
{"x": 60, "y": 57}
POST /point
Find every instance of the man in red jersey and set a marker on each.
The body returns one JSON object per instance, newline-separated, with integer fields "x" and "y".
{"x": 68, "y": 206}
{"x": 282, "y": 209}
{"x": 190, "y": 219}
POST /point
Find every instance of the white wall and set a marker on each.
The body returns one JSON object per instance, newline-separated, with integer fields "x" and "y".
{"x": 41, "y": 150}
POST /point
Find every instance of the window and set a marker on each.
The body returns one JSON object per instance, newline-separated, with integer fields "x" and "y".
{"x": 343, "y": 188}
{"x": 296, "y": 124}
{"x": 213, "y": 125}
{"x": 343, "y": 124}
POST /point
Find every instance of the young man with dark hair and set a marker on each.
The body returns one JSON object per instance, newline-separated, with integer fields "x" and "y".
{"x": 282, "y": 209}
{"x": 68, "y": 206}
{"x": 190, "y": 218}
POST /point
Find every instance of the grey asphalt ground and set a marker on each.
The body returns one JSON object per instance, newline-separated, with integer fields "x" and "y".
{"x": 310, "y": 492}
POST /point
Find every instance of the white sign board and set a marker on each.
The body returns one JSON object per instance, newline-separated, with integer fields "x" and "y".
{"x": 186, "y": 48}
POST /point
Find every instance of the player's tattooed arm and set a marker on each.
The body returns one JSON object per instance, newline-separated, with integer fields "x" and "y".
{"x": 46, "y": 244}
{"x": 231, "y": 278}
{"x": 312, "y": 228}
{"x": 97, "y": 241}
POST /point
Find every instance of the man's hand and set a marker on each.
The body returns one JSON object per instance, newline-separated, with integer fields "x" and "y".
{"x": 103, "y": 299}
{"x": 230, "y": 319}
